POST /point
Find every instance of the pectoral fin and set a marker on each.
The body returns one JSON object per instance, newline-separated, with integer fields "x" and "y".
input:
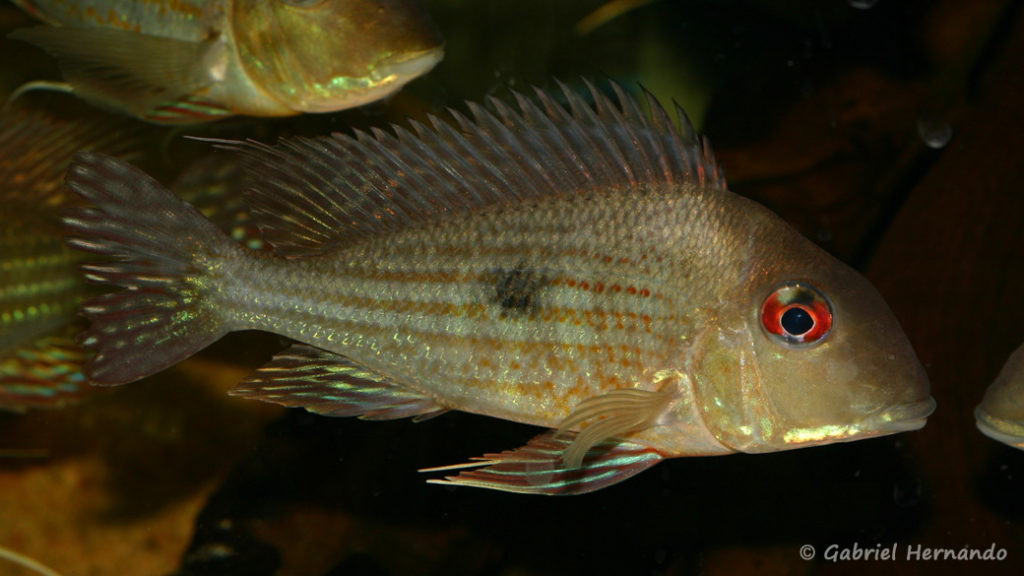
{"x": 615, "y": 414}
{"x": 332, "y": 385}
{"x": 539, "y": 468}
{"x": 128, "y": 71}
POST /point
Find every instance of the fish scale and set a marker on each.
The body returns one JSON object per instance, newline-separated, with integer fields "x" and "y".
{"x": 339, "y": 314}
{"x": 573, "y": 263}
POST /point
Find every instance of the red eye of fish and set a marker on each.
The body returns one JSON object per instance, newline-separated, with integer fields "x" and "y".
{"x": 797, "y": 313}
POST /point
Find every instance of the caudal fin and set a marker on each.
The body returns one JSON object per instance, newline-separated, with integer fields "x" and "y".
{"x": 161, "y": 250}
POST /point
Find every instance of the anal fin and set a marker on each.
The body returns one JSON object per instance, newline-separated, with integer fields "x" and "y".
{"x": 332, "y": 385}
{"x": 539, "y": 467}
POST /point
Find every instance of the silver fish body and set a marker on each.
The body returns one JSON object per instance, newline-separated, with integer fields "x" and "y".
{"x": 580, "y": 270}
{"x": 198, "y": 60}
{"x": 1000, "y": 415}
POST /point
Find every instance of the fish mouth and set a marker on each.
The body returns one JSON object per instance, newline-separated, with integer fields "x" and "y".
{"x": 1005, "y": 431}
{"x": 900, "y": 418}
{"x": 903, "y": 417}
{"x": 405, "y": 69}
{"x": 385, "y": 79}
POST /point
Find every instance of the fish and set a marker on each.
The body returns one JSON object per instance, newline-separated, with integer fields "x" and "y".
{"x": 193, "y": 61}
{"x": 1000, "y": 416}
{"x": 40, "y": 285}
{"x": 568, "y": 261}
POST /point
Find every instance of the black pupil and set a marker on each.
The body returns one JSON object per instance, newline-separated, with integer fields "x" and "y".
{"x": 797, "y": 321}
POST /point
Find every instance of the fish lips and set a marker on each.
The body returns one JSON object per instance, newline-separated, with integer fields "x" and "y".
{"x": 410, "y": 67}
{"x": 902, "y": 417}
{"x": 386, "y": 78}
{"x": 1005, "y": 431}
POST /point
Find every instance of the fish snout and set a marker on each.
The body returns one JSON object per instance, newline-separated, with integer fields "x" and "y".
{"x": 408, "y": 66}
{"x": 1001, "y": 430}
{"x": 902, "y": 417}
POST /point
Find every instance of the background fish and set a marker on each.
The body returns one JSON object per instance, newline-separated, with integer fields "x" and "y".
{"x": 40, "y": 285}
{"x": 578, "y": 268}
{"x": 1000, "y": 415}
{"x": 197, "y": 60}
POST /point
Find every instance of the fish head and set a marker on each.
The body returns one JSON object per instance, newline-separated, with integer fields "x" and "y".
{"x": 329, "y": 55}
{"x": 812, "y": 355}
{"x": 1000, "y": 415}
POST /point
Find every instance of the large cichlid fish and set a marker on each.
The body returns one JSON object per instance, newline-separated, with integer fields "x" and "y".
{"x": 575, "y": 266}
{"x": 40, "y": 285}
{"x": 1000, "y": 415}
{"x": 187, "y": 61}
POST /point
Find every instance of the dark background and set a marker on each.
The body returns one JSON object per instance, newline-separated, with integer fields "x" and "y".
{"x": 893, "y": 136}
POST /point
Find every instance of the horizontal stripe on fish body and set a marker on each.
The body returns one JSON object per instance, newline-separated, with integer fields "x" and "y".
{"x": 423, "y": 307}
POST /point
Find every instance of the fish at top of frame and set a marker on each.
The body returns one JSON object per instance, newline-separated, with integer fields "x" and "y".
{"x": 569, "y": 262}
{"x": 190, "y": 61}
{"x": 1000, "y": 415}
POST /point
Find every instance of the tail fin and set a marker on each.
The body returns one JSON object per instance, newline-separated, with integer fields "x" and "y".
{"x": 162, "y": 250}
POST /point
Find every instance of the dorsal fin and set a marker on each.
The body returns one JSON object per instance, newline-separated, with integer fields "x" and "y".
{"x": 314, "y": 194}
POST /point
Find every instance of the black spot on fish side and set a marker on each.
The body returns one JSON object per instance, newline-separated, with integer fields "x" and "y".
{"x": 517, "y": 291}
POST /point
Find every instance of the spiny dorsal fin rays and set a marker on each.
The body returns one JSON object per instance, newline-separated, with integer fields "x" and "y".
{"x": 315, "y": 194}
{"x": 648, "y": 153}
{"x": 417, "y": 143}
{"x": 588, "y": 125}
{"x": 405, "y": 171}
{"x": 532, "y": 171}
{"x": 297, "y": 218}
{"x": 491, "y": 181}
{"x": 553, "y": 142}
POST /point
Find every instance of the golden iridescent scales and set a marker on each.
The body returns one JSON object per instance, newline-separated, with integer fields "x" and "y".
{"x": 572, "y": 263}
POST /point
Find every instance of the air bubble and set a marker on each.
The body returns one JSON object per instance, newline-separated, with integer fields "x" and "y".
{"x": 935, "y": 133}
